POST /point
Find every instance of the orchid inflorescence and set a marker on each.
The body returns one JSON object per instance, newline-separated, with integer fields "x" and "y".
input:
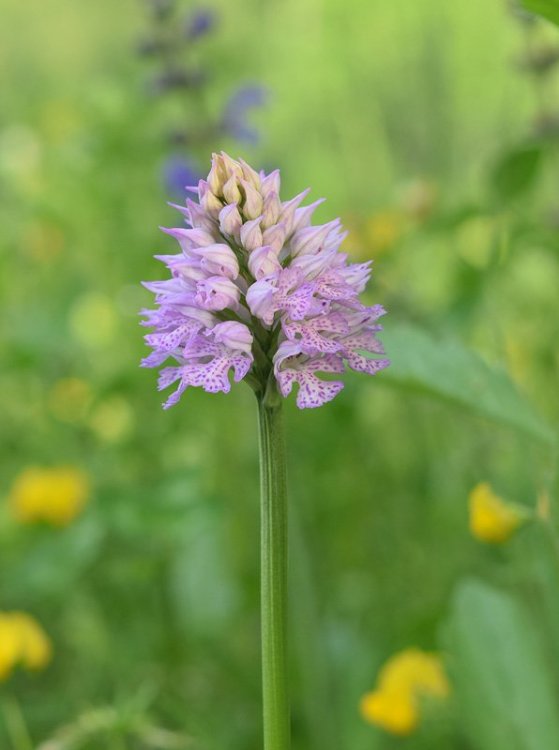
{"x": 259, "y": 290}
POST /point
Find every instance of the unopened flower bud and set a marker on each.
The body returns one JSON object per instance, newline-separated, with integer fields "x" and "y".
{"x": 231, "y": 191}
{"x": 234, "y": 335}
{"x": 302, "y": 216}
{"x": 271, "y": 184}
{"x": 312, "y": 264}
{"x": 218, "y": 259}
{"x": 263, "y": 261}
{"x": 275, "y": 236}
{"x": 251, "y": 234}
{"x": 271, "y": 211}
{"x": 253, "y": 201}
{"x": 217, "y": 176}
{"x": 230, "y": 166}
{"x": 250, "y": 175}
{"x": 217, "y": 293}
{"x": 190, "y": 271}
{"x": 211, "y": 203}
{"x": 230, "y": 221}
{"x": 289, "y": 208}
{"x": 197, "y": 216}
{"x": 310, "y": 239}
{"x": 189, "y": 238}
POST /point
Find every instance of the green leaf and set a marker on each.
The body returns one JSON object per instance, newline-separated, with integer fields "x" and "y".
{"x": 54, "y": 561}
{"x": 547, "y": 8}
{"x": 516, "y": 172}
{"x": 446, "y": 369}
{"x": 503, "y": 684}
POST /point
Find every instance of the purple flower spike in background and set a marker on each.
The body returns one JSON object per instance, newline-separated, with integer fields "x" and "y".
{"x": 185, "y": 73}
{"x": 234, "y": 121}
{"x": 200, "y": 22}
{"x": 257, "y": 289}
{"x": 178, "y": 172}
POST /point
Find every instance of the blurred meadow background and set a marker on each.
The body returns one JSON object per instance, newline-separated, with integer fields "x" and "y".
{"x": 423, "y": 501}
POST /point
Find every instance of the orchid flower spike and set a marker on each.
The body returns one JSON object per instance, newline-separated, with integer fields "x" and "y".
{"x": 257, "y": 289}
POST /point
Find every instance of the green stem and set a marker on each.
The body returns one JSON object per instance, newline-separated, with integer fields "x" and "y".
{"x": 273, "y": 573}
{"x": 15, "y": 725}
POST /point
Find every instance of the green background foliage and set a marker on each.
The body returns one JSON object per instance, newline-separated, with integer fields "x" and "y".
{"x": 547, "y": 8}
{"x": 419, "y": 123}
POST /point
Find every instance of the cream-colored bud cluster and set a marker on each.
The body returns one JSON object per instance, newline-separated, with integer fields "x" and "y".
{"x": 248, "y": 211}
{"x": 231, "y": 181}
{"x": 247, "y": 205}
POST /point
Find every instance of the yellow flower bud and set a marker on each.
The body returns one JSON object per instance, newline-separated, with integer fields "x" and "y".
{"x": 492, "y": 519}
{"x": 407, "y": 676}
{"x": 395, "y": 713}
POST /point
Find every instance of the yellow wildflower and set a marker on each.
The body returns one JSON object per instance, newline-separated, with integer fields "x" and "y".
{"x": 56, "y": 495}
{"x": 36, "y": 648}
{"x": 407, "y": 676}
{"x": 393, "y": 712}
{"x": 22, "y": 641}
{"x": 492, "y": 519}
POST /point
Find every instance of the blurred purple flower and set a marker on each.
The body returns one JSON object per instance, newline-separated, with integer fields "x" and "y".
{"x": 234, "y": 120}
{"x": 199, "y": 23}
{"x": 178, "y": 172}
{"x": 149, "y": 47}
{"x": 177, "y": 78}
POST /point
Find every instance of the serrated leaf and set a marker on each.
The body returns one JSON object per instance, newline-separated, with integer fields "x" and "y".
{"x": 503, "y": 685}
{"x": 446, "y": 369}
{"x": 516, "y": 172}
{"x": 547, "y": 8}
